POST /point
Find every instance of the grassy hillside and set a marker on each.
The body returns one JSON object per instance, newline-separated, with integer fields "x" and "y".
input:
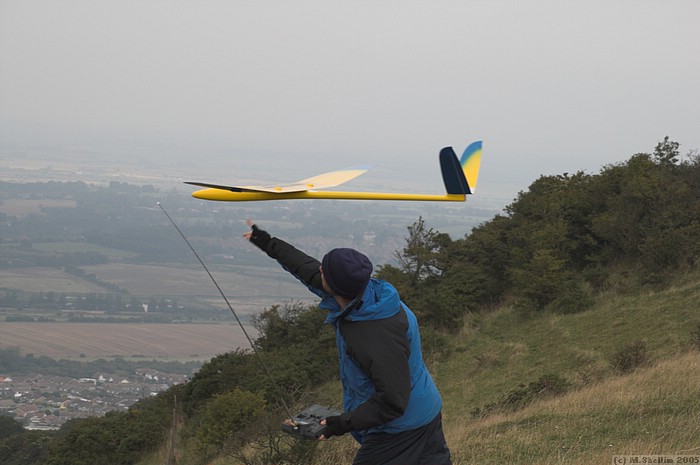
{"x": 496, "y": 352}
{"x": 653, "y": 409}
{"x": 496, "y": 412}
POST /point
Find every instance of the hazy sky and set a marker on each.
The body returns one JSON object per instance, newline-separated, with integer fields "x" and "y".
{"x": 550, "y": 86}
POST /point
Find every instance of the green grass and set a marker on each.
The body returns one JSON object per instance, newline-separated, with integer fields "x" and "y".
{"x": 496, "y": 352}
{"x": 654, "y": 409}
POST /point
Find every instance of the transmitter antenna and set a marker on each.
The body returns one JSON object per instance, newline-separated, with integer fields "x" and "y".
{"x": 230, "y": 307}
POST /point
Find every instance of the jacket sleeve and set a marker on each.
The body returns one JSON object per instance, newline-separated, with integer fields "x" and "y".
{"x": 302, "y": 266}
{"x": 381, "y": 349}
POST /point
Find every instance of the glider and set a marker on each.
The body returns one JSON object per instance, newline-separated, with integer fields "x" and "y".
{"x": 459, "y": 176}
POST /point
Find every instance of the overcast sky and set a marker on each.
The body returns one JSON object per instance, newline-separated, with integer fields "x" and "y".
{"x": 550, "y": 86}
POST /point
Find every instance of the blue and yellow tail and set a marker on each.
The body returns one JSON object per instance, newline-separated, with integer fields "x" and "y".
{"x": 460, "y": 176}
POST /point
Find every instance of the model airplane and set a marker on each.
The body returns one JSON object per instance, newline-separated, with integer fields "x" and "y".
{"x": 459, "y": 176}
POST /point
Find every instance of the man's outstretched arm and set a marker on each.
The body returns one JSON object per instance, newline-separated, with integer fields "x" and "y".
{"x": 302, "y": 266}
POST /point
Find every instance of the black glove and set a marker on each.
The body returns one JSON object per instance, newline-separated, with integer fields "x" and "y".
{"x": 335, "y": 427}
{"x": 260, "y": 238}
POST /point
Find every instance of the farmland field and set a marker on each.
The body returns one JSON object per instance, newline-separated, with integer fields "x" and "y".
{"x": 249, "y": 289}
{"x": 23, "y": 207}
{"x": 151, "y": 341}
{"x": 44, "y": 279}
{"x": 74, "y": 247}
{"x": 193, "y": 280}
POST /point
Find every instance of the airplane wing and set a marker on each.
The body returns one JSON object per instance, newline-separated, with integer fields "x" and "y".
{"x": 322, "y": 181}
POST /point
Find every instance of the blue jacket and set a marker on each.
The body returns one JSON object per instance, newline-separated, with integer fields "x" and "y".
{"x": 386, "y": 385}
{"x": 423, "y": 403}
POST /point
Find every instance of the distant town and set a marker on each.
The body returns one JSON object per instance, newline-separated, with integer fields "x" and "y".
{"x": 45, "y": 402}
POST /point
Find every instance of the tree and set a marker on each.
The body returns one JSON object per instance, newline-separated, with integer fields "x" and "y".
{"x": 666, "y": 152}
{"x": 226, "y": 418}
{"x": 9, "y": 427}
{"x": 296, "y": 346}
{"x": 419, "y": 259}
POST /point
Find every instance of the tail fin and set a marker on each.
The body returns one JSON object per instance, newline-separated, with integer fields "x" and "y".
{"x": 471, "y": 161}
{"x": 460, "y": 176}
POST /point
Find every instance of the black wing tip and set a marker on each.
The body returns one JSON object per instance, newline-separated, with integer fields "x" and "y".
{"x": 214, "y": 186}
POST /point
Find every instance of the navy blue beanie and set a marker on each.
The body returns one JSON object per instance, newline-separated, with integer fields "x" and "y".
{"x": 346, "y": 271}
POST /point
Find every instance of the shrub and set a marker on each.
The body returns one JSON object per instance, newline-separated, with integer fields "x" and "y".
{"x": 436, "y": 346}
{"x": 630, "y": 357}
{"x": 226, "y": 418}
{"x": 576, "y": 297}
{"x": 546, "y": 386}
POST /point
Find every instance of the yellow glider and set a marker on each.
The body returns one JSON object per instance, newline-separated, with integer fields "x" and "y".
{"x": 459, "y": 175}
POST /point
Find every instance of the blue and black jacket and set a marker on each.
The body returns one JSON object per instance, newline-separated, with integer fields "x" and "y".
{"x": 386, "y": 385}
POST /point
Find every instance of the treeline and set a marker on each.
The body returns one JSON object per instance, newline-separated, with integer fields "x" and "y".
{"x": 634, "y": 224}
{"x": 566, "y": 238}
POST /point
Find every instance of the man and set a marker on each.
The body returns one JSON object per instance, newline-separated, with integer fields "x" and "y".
{"x": 391, "y": 405}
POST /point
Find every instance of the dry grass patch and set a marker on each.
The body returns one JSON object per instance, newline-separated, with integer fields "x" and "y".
{"x": 652, "y": 411}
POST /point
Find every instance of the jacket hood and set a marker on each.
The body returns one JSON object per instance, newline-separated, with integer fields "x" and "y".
{"x": 379, "y": 300}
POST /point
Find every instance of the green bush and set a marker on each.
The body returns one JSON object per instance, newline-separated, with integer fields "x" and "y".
{"x": 630, "y": 357}
{"x": 9, "y": 427}
{"x": 576, "y": 297}
{"x": 436, "y": 346}
{"x": 546, "y": 386}
{"x": 225, "y": 420}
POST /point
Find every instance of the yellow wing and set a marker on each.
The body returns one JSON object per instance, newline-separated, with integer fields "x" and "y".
{"x": 321, "y": 181}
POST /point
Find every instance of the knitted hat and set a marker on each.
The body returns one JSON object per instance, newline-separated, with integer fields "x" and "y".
{"x": 346, "y": 271}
